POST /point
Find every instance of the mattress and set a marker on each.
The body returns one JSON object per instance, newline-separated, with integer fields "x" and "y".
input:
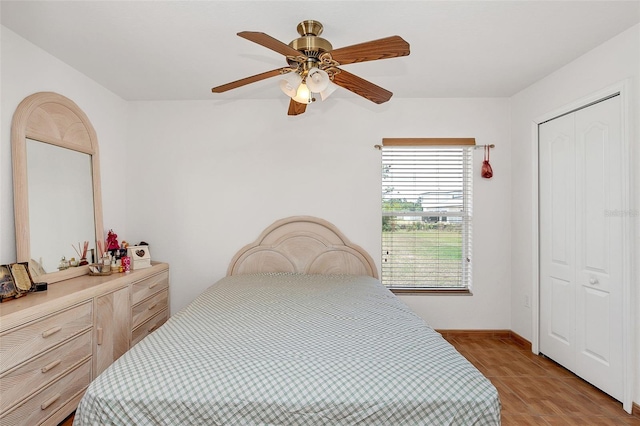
{"x": 292, "y": 349}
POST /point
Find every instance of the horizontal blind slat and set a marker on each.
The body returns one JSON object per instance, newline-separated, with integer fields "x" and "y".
{"x": 426, "y": 197}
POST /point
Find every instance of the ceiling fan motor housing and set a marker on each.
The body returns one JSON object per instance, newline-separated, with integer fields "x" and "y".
{"x": 310, "y": 44}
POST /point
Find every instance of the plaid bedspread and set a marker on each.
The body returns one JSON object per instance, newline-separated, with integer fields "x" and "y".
{"x": 290, "y": 349}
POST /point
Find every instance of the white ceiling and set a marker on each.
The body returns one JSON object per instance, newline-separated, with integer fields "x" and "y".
{"x": 178, "y": 50}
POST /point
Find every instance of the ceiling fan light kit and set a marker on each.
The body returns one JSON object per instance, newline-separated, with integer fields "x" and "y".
{"x": 317, "y": 80}
{"x": 329, "y": 90}
{"x": 303, "y": 95}
{"x": 289, "y": 84}
{"x": 314, "y": 66}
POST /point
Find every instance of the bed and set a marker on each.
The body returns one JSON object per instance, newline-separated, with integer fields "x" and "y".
{"x": 300, "y": 332}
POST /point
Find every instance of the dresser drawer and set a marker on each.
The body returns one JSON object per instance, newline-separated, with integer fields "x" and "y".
{"x": 149, "y": 327}
{"x": 25, "y": 342}
{"x": 148, "y": 308}
{"x": 47, "y": 401}
{"x": 21, "y": 381}
{"x": 145, "y": 288}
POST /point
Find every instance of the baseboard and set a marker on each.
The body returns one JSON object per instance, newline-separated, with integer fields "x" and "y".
{"x": 520, "y": 341}
{"x": 476, "y": 334}
{"x": 487, "y": 334}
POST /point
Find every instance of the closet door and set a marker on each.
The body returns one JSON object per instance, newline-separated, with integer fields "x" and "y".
{"x": 581, "y": 243}
{"x": 599, "y": 252}
{"x": 557, "y": 239}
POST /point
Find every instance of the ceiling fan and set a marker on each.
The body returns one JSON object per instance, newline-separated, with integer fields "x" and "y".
{"x": 314, "y": 66}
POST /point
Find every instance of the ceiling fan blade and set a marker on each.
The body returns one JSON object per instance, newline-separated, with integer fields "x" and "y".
{"x": 270, "y": 43}
{"x": 362, "y": 87}
{"x": 248, "y": 80}
{"x": 296, "y": 108}
{"x": 384, "y": 48}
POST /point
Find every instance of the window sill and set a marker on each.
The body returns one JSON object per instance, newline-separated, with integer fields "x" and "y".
{"x": 432, "y": 291}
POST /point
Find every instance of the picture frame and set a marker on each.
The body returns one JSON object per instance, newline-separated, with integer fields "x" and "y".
{"x": 7, "y": 285}
{"x": 15, "y": 280}
{"x": 21, "y": 277}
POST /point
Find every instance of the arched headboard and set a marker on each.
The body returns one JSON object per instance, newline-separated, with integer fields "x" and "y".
{"x": 303, "y": 244}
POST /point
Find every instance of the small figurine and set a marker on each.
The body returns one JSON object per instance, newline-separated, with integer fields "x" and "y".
{"x": 112, "y": 241}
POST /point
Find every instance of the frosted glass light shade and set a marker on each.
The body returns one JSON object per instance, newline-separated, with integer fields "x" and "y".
{"x": 303, "y": 95}
{"x": 331, "y": 87}
{"x": 317, "y": 80}
{"x": 290, "y": 83}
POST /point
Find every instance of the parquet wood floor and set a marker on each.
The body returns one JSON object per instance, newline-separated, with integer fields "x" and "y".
{"x": 535, "y": 390}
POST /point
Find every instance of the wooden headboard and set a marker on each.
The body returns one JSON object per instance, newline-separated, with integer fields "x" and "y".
{"x": 303, "y": 244}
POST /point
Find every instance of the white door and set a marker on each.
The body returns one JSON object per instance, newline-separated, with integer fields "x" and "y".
{"x": 581, "y": 243}
{"x": 557, "y": 239}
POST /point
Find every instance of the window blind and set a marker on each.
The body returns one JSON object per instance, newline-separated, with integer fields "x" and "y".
{"x": 426, "y": 216}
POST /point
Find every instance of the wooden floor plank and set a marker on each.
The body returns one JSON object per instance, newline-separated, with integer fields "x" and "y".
{"x": 534, "y": 390}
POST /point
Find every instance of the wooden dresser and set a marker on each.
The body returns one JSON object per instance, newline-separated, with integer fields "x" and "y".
{"x": 52, "y": 344}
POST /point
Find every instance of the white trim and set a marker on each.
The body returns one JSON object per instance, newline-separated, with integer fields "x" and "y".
{"x": 535, "y": 252}
{"x": 628, "y": 340}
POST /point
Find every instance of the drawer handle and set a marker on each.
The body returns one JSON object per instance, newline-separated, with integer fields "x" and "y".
{"x": 152, "y": 285}
{"x": 153, "y": 327}
{"x": 50, "y": 366}
{"x": 51, "y": 332}
{"x": 49, "y": 401}
{"x": 153, "y": 306}
{"x": 99, "y": 335}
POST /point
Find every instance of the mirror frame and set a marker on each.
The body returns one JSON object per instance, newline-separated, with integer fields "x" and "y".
{"x": 51, "y": 118}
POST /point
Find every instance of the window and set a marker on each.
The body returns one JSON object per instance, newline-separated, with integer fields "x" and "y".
{"x": 426, "y": 214}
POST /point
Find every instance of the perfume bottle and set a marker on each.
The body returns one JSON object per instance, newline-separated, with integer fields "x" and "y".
{"x": 63, "y": 264}
{"x": 106, "y": 261}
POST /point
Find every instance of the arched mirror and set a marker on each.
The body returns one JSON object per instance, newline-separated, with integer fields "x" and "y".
{"x": 56, "y": 185}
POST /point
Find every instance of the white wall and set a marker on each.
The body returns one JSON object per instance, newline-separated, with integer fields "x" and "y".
{"x": 212, "y": 175}
{"x": 27, "y": 69}
{"x": 198, "y": 180}
{"x": 614, "y": 61}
